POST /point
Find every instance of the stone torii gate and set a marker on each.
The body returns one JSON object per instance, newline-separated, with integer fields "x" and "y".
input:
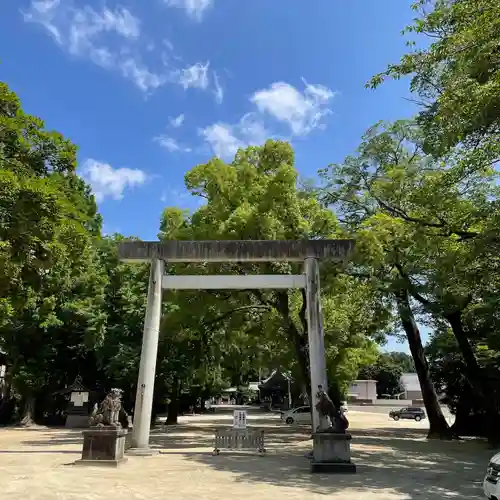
{"x": 307, "y": 251}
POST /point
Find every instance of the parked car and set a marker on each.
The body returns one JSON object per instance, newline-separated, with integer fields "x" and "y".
{"x": 302, "y": 414}
{"x": 411, "y": 413}
{"x": 491, "y": 486}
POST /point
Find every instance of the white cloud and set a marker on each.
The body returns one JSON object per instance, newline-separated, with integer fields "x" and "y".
{"x": 194, "y": 8}
{"x": 145, "y": 79}
{"x": 108, "y": 182}
{"x": 222, "y": 139}
{"x": 225, "y": 139}
{"x": 302, "y": 111}
{"x": 219, "y": 91}
{"x": 106, "y": 37}
{"x": 171, "y": 144}
{"x": 113, "y": 39}
{"x": 196, "y": 76}
{"x": 177, "y": 121}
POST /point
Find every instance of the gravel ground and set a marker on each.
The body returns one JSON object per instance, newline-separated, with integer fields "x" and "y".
{"x": 394, "y": 462}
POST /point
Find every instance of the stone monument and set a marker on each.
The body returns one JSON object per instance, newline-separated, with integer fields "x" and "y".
{"x": 104, "y": 441}
{"x": 332, "y": 444}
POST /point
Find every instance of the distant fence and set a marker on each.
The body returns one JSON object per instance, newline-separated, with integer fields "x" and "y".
{"x": 239, "y": 439}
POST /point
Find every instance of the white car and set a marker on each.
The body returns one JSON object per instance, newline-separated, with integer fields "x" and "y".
{"x": 491, "y": 485}
{"x": 302, "y": 415}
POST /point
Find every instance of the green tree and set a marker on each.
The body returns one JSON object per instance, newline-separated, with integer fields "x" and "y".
{"x": 256, "y": 197}
{"x": 428, "y": 226}
{"x": 382, "y": 197}
{"x": 387, "y": 372}
{"x": 456, "y": 77}
{"x": 51, "y": 285}
{"x": 401, "y": 359}
{"x": 457, "y": 81}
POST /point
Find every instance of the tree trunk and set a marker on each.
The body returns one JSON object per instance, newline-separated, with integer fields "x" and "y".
{"x": 461, "y": 426}
{"x": 482, "y": 388}
{"x": 28, "y": 412}
{"x": 473, "y": 368}
{"x": 299, "y": 340}
{"x": 438, "y": 426}
{"x": 173, "y": 406}
{"x": 302, "y": 359}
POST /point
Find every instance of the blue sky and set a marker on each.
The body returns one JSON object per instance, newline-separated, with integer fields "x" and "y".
{"x": 150, "y": 88}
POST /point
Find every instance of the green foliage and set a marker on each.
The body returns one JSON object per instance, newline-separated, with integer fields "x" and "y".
{"x": 51, "y": 286}
{"x": 457, "y": 76}
{"x": 256, "y": 196}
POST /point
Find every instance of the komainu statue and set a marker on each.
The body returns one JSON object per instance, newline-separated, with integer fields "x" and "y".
{"x": 331, "y": 419}
{"x": 107, "y": 414}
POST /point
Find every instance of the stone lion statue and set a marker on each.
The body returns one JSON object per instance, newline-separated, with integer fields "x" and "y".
{"x": 331, "y": 418}
{"x": 107, "y": 414}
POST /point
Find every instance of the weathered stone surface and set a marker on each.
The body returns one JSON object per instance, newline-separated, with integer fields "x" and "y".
{"x": 103, "y": 446}
{"x": 77, "y": 421}
{"x": 332, "y": 453}
{"x": 235, "y": 250}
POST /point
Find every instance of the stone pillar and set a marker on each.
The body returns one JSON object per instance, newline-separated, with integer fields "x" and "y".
{"x": 315, "y": 335}
{"x": 147, "y": 367}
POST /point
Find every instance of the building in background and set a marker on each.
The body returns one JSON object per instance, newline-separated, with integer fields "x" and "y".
{"x": 276, "y": 389}
{"x": 364, "y": 390}
{"x": 411, "y": 386}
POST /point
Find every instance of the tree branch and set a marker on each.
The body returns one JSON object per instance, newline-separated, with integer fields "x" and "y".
{"x": 411, "y": 289}
{"x": 235, "y": 310}
{"x": 398, "y": 212}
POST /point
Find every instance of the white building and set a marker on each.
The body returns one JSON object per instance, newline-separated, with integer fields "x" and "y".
{"x": 363, "y": 389}
{"x": 411, "y": 386}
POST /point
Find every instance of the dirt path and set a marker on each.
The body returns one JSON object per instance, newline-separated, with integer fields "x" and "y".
{"x": 394, "y": 461}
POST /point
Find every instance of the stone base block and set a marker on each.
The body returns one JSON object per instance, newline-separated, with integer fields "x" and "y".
{"x": 103, "y": 446}
{"x": 101, "y": 463}
{"x": 332, "y": 453}
{"x": 128, "y": 439}
{"x": 77, "y": 421}
{"x": 333, "y": 467}
{"x": 142, "y": 452}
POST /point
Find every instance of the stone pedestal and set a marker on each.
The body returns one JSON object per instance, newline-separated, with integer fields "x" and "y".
{"x": 103, "y": 446}
{"x": 74, "y": 421}
{"x": 128, "y": 438}
{"x": 332, "y": 453}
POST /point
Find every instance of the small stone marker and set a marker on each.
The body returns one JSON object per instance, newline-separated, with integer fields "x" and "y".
{"x": 239, "y": 419}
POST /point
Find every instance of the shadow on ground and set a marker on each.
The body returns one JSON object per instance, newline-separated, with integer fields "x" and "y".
{"x": 390, "y": 460}
{"x": 176, "y": 437}
{"x": 58, "y": 452}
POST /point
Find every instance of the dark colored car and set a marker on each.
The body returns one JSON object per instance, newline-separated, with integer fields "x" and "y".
{"x": 411, "y": 413}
